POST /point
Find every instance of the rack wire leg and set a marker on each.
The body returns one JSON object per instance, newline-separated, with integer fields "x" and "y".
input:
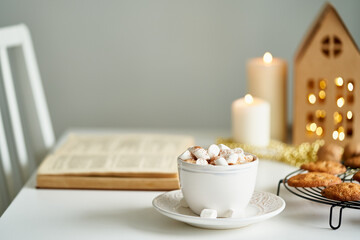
{"x": 278, "y": 188}
{"x": 331, "y": 216}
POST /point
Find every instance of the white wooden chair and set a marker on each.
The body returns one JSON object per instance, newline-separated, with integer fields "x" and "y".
{"x": 26, "y": 132}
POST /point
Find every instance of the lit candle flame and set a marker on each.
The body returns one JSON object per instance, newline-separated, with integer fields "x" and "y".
{"x": 267, "y": 57}
{"x": 249, "y": 99}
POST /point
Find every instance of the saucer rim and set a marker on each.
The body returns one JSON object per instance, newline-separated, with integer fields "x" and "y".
{"x": 221, "y": 220}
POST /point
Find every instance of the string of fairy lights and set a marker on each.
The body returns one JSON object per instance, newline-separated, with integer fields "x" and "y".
{"x": 279, "y": 151}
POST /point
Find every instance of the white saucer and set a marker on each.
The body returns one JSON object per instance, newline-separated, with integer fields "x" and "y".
{"x": 262, "y": 206}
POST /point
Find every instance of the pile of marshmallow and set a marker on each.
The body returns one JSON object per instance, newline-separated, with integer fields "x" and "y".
{"x": 220, "y": 155}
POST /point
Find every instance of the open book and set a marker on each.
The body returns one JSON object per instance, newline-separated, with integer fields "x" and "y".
{"x": 121, "y": 161}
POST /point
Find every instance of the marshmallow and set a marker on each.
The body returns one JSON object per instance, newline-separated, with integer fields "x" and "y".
{"x": 199, "y": 152}
{"x": 238, "y": 151}
{"x": 232, "y": 158}
{"x": 201, "y": 161}
{"x": 186, "y": 155}
{"x": 213, "y": 150}
{"x": 221, "y": 161}
{"x": 225, "y": 153}
{"x": 242, "y": 158}
{"x": 183, "y": 203}
{"x": 231, "y": 213}
{"x": 223, "y": 147}
{"x": 193, "y": 161}
{"x": 220, "y": 155}
{"x": 208, "y": 213}
{"x": 249, "y": 158}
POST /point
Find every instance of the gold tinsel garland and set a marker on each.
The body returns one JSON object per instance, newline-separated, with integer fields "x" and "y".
{"x": 296, "y": 156}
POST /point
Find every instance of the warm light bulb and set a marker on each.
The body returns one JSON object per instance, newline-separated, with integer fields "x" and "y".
{"x": 341, "y": 129}
{"x": 320, "y": 113}
{"x": 335, "y": 135}
{"x": 341, "y": 136}
{"x": 267, "y": 57}
{"x": 323, "y": 113}
{"x": 319, "y": 131}
{"x": 349, "y": 115}
{"x": 249, "y": 99}
{"x": 312, "y": 98}
{"x": 337, "y": 117}
{"x": 340, "y": 102}
{"x": 350, "y": 87}
{"x": 313, "y": 127}
{"x": 339, "y": 81}
{"x": 322, "y": 84}
{"x": 322, "y": 94}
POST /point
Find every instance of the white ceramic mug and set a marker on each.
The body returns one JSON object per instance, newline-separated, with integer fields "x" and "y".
{"x": 222, "y": 188}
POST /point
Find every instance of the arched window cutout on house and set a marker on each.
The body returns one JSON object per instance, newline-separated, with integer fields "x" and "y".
{"x": 331, "y": 46}
{"x": 337, "y": 46}
{"x": 325, "y": 46}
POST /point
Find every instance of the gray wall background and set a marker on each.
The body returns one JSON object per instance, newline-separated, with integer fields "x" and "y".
{"x": 163, "y": 64}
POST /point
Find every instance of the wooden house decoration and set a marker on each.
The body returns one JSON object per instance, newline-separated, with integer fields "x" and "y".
{"x": 327, "y": 83}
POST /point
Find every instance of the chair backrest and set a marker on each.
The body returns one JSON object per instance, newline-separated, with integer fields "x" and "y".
{"x": 26, "y": 132}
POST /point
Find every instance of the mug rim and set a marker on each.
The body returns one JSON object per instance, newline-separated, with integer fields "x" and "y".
{"x": 182, "y": 165}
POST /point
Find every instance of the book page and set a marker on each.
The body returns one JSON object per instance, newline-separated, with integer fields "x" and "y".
{"x": 143, "y": 155}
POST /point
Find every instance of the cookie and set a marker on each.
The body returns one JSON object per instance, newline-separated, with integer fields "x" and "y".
{"x": 353, "y": 162}
{"x": 345, "y": 191}
{"x": 357, "y": 176}
{"x": 313, "y": 179}
{"x": 352, "y": 150}
{"x": 330, "y": 152}
{"x": 324, "y": 166}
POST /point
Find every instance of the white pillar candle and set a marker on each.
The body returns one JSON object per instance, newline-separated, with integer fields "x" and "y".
{"x": 267, "y": 79}
{"x": 251, "y": 121}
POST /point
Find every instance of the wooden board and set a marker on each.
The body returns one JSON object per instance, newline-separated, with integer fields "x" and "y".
{"x": 106, "y": 183}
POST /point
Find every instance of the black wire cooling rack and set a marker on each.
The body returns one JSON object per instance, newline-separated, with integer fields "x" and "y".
{"x": 314, "y": 194}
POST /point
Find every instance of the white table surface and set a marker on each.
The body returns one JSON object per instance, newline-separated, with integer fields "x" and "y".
{"x": 95, "y": 214}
